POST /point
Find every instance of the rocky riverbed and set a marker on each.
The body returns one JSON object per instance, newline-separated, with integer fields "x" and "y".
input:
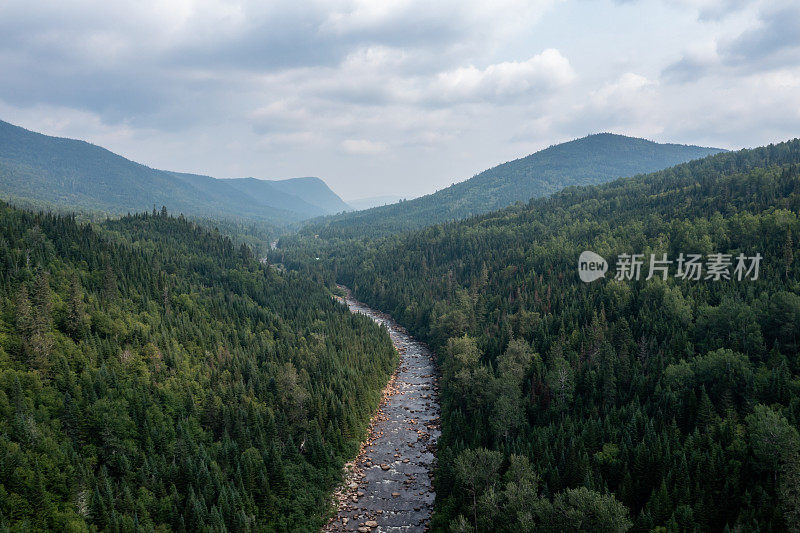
{"x": 388, "y": 486}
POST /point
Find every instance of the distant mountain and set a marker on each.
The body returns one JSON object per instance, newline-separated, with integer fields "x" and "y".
{"x": 64, "y": 173}
{"x": 262, "y": 192}
{"x": 373, "y": 201}
{"x": 314, "y": 191}
{"x": 588, "y": 161}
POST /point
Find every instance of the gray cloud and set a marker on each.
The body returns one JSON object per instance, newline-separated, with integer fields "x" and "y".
{"x": 717, "y": 9}
{"x": 400, "y": 96}
{"x": 687, "y": 69}
{"x": 707, "y": 10}
{"x": 772, "y": 42}
{"x": 775, "y": 41}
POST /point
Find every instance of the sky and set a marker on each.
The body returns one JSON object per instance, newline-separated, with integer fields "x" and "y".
{"x": 394, "y": 97}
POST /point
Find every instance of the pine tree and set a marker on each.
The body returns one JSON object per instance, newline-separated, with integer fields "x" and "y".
{"x": 75, "y": 309}
{"x": 705, "y": 411}
{"x": 43, "y": 302}
{"x": 110, "y": 287}
{"x": 24, "y": 314}
{"x": 659, "y": 505}
{"x": 41, "y": 340}
{"x": 788, "y": 253}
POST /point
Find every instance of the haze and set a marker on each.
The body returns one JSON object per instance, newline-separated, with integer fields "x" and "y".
{"x": 399, "y": 97}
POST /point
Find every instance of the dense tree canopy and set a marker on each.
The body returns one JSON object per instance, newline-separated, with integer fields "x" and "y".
{"x": 154, "y": 376}
{"x": 591, "y": 160}
{"x": 617, "y": 404}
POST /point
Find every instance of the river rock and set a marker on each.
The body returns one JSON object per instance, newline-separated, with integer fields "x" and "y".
{"x": 408, "y": 413}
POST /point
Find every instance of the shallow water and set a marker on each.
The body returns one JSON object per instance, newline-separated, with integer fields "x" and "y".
{"x": 388, "y": 487}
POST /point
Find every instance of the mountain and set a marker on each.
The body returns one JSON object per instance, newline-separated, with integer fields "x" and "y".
{"x": 590, "y": 160}
{"x": 314, "y": 191}
{"x": 71, "y": 174}
{"x": 252, "y": 191}
{"x": 667, "y": 404}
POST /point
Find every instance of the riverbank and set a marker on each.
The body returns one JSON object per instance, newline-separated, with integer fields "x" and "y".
{"x": 388, "y": 486}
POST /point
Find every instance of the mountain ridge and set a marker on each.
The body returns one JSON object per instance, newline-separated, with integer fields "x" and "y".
{"x": 75, "y": 174}
{"x": 589, "y": 160}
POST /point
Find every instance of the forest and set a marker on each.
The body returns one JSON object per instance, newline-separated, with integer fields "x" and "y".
{"x": 154, "y": 376}
{"x": 62, "y": 174}
{"x": 641, "y": 405}
{"x": 590, "y": 160}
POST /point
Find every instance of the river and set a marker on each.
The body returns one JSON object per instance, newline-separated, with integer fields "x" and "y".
{"x": 388, "y": 486}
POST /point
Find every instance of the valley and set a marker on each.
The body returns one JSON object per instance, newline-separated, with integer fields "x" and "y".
{"x": 400, "y": 267}
{"x": 210, "y": 355}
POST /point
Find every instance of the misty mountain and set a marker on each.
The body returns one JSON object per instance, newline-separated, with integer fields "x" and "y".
{"x": 312, "y": 190}
{"x": 70, "y": 174}
{"x": 587, "y": 161}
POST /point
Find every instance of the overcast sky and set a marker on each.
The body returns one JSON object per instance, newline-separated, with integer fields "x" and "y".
{"x": 394, "y": 96}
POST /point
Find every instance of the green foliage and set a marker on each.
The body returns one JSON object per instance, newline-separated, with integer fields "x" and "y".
{"x": 50, "y": 172}
{"x": 154, "y": 376}
{"x": 647, "y": 406}
{"x": 515, "y": 505}
{"x": 773, "y": 440}
{"x": 590, "y": 160}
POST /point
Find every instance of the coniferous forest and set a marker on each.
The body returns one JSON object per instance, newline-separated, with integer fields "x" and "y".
{"x": 650, "y": 405}
{"x": 408, "y": 266}
{"x": 155, "y": 377}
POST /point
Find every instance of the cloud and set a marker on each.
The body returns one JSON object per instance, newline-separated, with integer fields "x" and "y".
{"x": 629, "y": 85}
{"x": 706, "y": 10}
{"x": 140, "y": 61}
{"x": 712, "y": 9}
{"x": 369, "y": 93}
{"x": 770, "y": 40}
{"x": 632, "y": 104}
{"x": 543, "y": 72}
{"x": 774, "y": 40}
{"x": 689, "y": 68}
{"x": 363, "y": 147}
{"x": 68, "y": 122}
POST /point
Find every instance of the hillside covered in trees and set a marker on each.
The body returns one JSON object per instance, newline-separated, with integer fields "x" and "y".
{"x": 620, "y": 404}
{"x": 590, "y": 160}
{"x": 154, "y": 377}
{"x": 67, "y": 174}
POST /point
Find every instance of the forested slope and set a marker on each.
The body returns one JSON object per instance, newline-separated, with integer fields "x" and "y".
{"x": 312, "y": 190}
{"x": 591, "y": 160}
{"x": 154, "y": 377}
{"x": 679, "y": 399}
{"x": 68, "y": 174}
